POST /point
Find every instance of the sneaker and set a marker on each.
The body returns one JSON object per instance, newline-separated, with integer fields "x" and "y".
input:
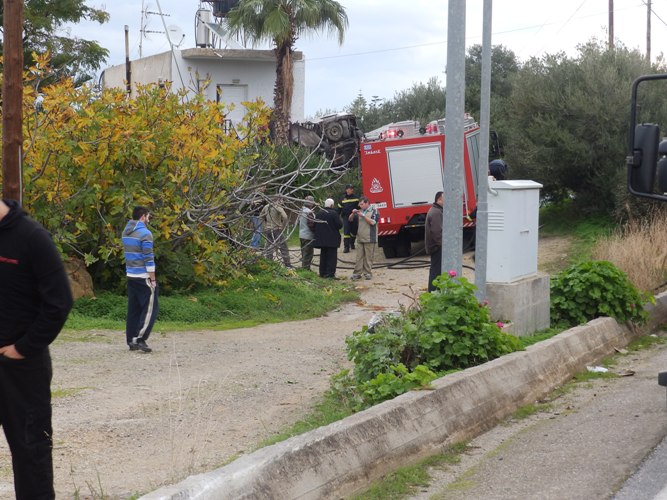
{"x": 347, "y": 250}
{"x": 133, "y": 346}
{"x": 142, "y": 346}
{"x": 368, "y": 276}
{"x": 355, "y": 277}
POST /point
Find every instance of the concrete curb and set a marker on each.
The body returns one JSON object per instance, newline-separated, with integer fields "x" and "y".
{"x": 343, "y": 457}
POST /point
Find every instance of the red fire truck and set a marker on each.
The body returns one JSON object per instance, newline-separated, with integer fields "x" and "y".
{"x": 401, "y": 169}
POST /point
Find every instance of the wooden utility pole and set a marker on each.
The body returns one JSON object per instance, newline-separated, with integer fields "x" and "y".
{"x": 648, "y": 31}
{"x": 12, "y": 100}
{"x": 611, "y": 24}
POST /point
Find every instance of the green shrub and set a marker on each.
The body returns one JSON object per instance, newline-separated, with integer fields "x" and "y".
{"x": 592, "y": 289}
{"x": 454, "y": 331}
{"x": 377, "y": 351}
{"x": 394, "y": 382}
{"x": 449, "y": 331}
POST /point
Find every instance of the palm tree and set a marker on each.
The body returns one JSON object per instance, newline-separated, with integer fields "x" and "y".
{"x": 282, "y": 22}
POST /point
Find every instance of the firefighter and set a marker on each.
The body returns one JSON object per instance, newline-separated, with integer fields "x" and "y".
{"x": 347, "y": 203}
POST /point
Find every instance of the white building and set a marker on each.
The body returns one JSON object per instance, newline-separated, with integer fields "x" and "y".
{"x": 233, "y": 75}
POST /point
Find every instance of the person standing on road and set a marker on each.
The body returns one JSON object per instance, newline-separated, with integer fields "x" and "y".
{"x": 306, "y": 232}
{"x": 274, "y": 222}
{"x": 367, "y": 217}
{"x": 347, "y": 203}
{"x": 327, "y": 238}
{"x": 142, "y": 289}
{"x": 433, "y": 239}
{"x": 35, "y": 299}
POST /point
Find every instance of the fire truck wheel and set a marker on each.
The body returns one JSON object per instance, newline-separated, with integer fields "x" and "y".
{"x": 469, "y": 234}
{"x": 389, "y": 252}
{"x": 334, "y": 132}
{"x": 403, "y": 249}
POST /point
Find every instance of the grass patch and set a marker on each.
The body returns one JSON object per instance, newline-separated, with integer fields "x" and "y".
{"x": 270, "y": 296}
{"x": 330, "y": 409}
{"x": 529, "y": 410}
{"x": 645, "y": 342}
{"x": 563, "y": 219}
{"x": 539, "y": 336}
{"x": 64, "y": 393}
{"x": 406, "y": 480}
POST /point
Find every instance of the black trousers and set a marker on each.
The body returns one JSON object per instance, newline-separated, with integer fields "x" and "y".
{"x": 328, "y": 261}
{"x": 349, "y": 232}
{"x": 25, "y": 416}
{"x": 142, "y": 308}
{"x": 435, "y": 270}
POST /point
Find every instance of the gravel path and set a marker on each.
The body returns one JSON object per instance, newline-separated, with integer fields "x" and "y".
{"x": 127, "y": 422}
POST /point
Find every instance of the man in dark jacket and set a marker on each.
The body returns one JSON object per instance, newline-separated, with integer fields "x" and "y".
{"x": 346, "y": 205}
{"x": 433, "y": 239}
{"x": 35, "y": 300}
{"x": 327, "y": 238}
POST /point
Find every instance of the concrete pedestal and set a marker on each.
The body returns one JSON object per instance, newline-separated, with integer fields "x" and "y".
{"x": 525, "y": 303}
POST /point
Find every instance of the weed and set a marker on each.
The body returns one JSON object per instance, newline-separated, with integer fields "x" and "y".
{"x": 639, "y": 249}
{"x": 645, "y": 342}
{"x": 531, "y": 409}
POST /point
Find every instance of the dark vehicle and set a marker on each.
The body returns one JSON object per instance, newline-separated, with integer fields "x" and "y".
{"x": 336, "y": 137}
{"x": 647, "y": 158}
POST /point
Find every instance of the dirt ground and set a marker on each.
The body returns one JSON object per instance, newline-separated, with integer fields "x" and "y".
{"x": 126, "y": 422}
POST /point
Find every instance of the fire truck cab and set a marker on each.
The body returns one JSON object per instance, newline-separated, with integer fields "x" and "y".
{"x": 401, "y": 170}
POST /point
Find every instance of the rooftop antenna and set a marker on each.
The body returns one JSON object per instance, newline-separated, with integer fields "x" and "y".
{"x": 144, "y": 25}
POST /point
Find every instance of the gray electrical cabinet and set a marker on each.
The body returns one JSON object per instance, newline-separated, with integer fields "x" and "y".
{"x": 513, "y": 208}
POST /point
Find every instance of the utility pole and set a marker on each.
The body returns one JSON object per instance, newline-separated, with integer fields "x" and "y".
{"x": 12, "y": 100}
{"x": 482, "y": 229}
{"x": 452, "y": 239}
{"x": 611, "y": 24}
{"x": 648, "y": 31}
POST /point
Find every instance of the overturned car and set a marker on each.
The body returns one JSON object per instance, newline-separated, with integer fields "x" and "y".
{"x": 335, "y": 136}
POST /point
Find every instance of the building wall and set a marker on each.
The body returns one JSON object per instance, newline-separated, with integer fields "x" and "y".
{"x": 236, "y": 72}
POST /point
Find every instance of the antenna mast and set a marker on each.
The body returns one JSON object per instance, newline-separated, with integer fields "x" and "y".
{"x": 144, "y": 24}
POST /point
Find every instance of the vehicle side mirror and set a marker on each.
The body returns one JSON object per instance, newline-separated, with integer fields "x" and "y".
{"x": 644, "y": 160}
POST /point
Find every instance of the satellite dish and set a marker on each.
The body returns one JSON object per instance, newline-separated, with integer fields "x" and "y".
{"x": 176, "y": 35}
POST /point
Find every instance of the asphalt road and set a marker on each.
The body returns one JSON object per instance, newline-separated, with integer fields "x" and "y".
{"x": 584, "y": 445}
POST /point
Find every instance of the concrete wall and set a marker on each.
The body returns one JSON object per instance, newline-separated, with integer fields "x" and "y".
{"x": 253, "y": 70}
{"x": 344, "y": 457}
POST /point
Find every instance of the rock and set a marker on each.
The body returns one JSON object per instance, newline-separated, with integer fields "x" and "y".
{"x": 80, "y": 280}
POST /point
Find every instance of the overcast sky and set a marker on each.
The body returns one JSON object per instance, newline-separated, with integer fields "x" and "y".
{"x": 391, "y": 44}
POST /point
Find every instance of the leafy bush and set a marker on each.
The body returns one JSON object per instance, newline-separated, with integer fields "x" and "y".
{"x": 394, "y": 382}
{"x": 377, "y": 351}
{"x": 449, "y": 331}
{"x": 591, "y": 289}
{"x": 454, "y": 330}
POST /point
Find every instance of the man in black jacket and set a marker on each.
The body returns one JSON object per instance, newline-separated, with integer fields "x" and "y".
{"x": 327, "y": 238}
{"x": 35, "y": 300}
{"x": 433, "y": 239}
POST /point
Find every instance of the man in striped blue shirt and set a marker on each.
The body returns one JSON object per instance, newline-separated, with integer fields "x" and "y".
{"x": 142, "y": 291}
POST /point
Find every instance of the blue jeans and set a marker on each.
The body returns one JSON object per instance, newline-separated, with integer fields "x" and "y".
{"x": 257, "y": 233}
